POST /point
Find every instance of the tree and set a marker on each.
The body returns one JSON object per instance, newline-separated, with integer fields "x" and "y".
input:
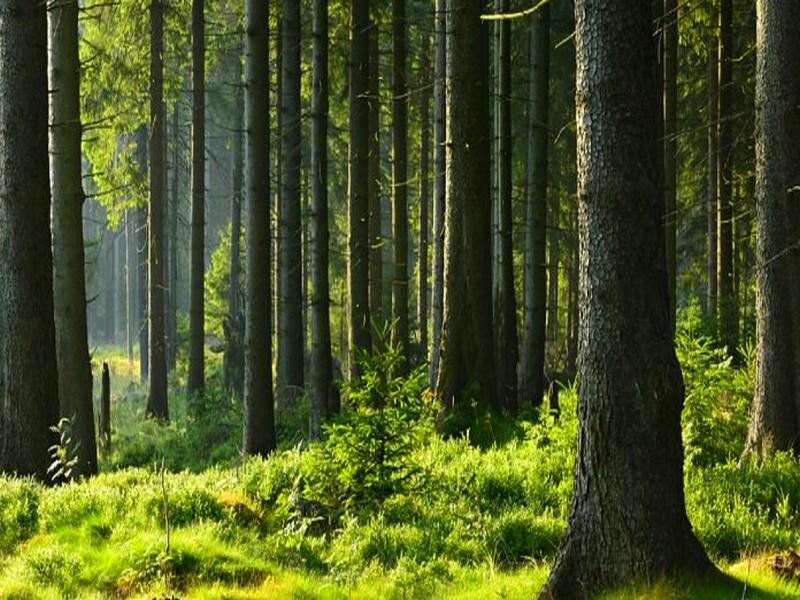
{"x": 424, "y": 192}
{"x": 259, "y": 410}
{"x": 775, "y": 417}
{"x": 669, "y": 24}
{"x": 358, "y": 185}
{"x": 627, "y": 518}
{"x": 533, "y": 342}
{"x": 399, "y": 179}
{"x": 323, "y": 396}
{"x": 196, "y": 378}
{"x": 713, "y": 170}
{"x": 69, "y": 289}
{"x": 157, "y": 406}
{"x": 290, "y": 299}
{"x": 28, "y": 372}
{"x": 376, "y": 246}
{"x": 172, "y": 298}
{"x": 466, "y": 354}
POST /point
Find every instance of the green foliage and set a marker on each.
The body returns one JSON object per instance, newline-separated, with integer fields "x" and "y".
{"x": 218, "y": 284}
{"x": 19, "y": 511}
{"x": 63, "y": 454}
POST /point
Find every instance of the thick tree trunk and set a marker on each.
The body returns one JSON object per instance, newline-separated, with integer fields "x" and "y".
{"x": 358, "y": 184}
{"x": 713, "y": 170}
{"x": 467, "y": 355}
{"x": 533, "y": 347}
{"x": 376, "y": 245}
{"x": 775, "y": 417}
{"x": 72, "y": 347}
{"x": 423, "y": 289}
{"x": 628, "y": 518}
{"x": 157, "y": 406}
{"x": 28, "y": 374}
{"x": 439, "y": 167}
{"x": 290, "y": 300}
{"x": 669, "y": 24}
{"x": 399, "y": 179}
{"x": 196, "y": 378}
{"x": 259, "y": 410}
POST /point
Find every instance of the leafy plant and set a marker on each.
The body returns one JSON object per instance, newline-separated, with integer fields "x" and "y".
{"x": 64, "y": 454}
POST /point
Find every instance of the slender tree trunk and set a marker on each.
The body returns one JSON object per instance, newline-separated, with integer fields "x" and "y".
{"x": 376, "y": 245}
{"x": 172, "y": 299}
{"x": 108, "y": 255}
{"x": 533, "y": 349}
{"x": 466, "y": 347}
{"x": 28, "y": 373}
{"x": 669, "y": 26}
{"x": 142, "y": 253}
{"x": 728, "y": 320}
{"x": 713, "y": 170}
{"x": 439, "y": 166}
{"x": 72, "y": 347}
{"x": 130, "y": 294}
{"x": 423, "y": 290}
{"x": 358, "y": 184}
{"x": 278, "y": 187}
{"x": 105, "y": 410}
{"x": 399, "y": 179}
{"x": 196, "y": 377}
{"x": 627, "y": 519}
{"x": 157, "y": 406}
{"x": 290, "y": 301}
{"x": 775, "y": 417}
{"x": 259, "y": 410}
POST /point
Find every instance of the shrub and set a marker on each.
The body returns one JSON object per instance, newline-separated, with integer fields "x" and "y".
{"x": 19, "y": 511}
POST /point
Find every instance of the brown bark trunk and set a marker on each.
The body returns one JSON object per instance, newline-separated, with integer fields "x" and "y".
{"x": 423, "y": 289}
{"x": 105, "y": 411}
{"x": 376, "y": 243}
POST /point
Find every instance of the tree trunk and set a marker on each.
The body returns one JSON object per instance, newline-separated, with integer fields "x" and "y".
{"x": 536, "y": 211}
{"x": 129, "y": 285}
{"x": 259, "y": 410}
{"x": 713, "y": 170}
{"x": 439, "y": 166}
{"x": 28, "y": 373}
{"x": 423, "y": 290}
{"x": 358, "y": 184}
{"x": 290, "y": 301}
{"x": 157, "y": 406}
{"x": 172, "y": 299}
{"x": 669, "y": 24}
{"x": 775, "y": 417}
{"x": 196, "y": 378}
{"x": 72, "y": 347}
{"x": 466, "y": 346}
{"x": 105, "y": 411}
{"x": 110, "y": 280}
{"x": 376, "y": 245}
{"x": 627, "y": 519}
{"x": 142, "y": 253}
{"x": 399, "y": 179}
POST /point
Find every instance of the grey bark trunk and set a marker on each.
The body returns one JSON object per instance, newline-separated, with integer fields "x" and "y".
{"x": 172, "y": 299}
{"x": 69, "y": 289}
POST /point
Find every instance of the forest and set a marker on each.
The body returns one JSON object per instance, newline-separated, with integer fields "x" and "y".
{"x": 333, "y": 299}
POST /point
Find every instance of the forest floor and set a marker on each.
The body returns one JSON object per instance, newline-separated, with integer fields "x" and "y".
{"x": 481, "y": 518}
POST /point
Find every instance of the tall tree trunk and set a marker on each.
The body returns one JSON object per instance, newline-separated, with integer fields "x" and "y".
{"x": 28, "y": 374}
{"x": 505, "y": 307}
{"x": 157, "y": 406}
{"x": 399, "y": 179}
{"x": 553, "y": 259}
{"x": 713, "y": 170}
{"x": 141, "y": 317}
{"x": 423, "y": 289}
{"x": 196, "y": 378}
{"x": 108, "y": 257}
{"x": 728, "y": 320}
{"x": 533, "y": 348}
{"x": 358, "y": 184}
{"x": 627, "y": 519}
{"x": 290, "y": 300}
{"x": 466, "y": 346}
{"x": 323, "y": 396}
{"x": 376, "y": 245}
{"x": 172, "y": 298}
{"x": 439, "y": 167}
{"x": 72, "y": 346}
{"x": 259, "y": 410}
{"x": 775, "y": 417}
{"x": 130, "y": 293}
{"x": 669, "y": 26}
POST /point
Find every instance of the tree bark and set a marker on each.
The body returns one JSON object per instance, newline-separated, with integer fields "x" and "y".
{"x": 376, "y": 243}
{"x": 775, "y": 417}
{"x": 72, "y": 347}
{"x": 196, "y": 377}
{"x": 627, "y": 519}
{"x": 423, "y": 289}
{"x": 157, "y": 406}
{"x": 669, "y": 25}
{"x": 105, "y": 411}
{"x": 533, "y": 350}
{"x": 28, "y": 372}
{"x": 358, "y": 185}
{"x": 467, "y": 339}
{"x": 172, "y": 298}
{"x": 142, "y": 253}
{"x": 259, "y": 410}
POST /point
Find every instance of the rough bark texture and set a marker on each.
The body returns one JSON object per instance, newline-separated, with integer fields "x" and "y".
{"x": 69, "y": 289}
{"x": 28, "y": 375}
{"x": 439, "y": 167}
{"x": 358, "y": 185}
{"x": 259, "y": 409}
{"x": 669, "y": 24}
{"x": 628, "y": 518}
{"x": 775, "y": 418}
{"x": 423, "y": 289}
{"x": 172, "y": 279}
{"x": 290, "y": 300}
{"x": 196, "y": 377}
{"x": 466, "y": 347}
{"x": 376, "y": 246}
{"x": 323, "y": 395}
{"x": 533, "y": 343}
{"x": 399, "y": 178}
{"x": 105, "y": 410}
{"x": 157, "y": 406}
